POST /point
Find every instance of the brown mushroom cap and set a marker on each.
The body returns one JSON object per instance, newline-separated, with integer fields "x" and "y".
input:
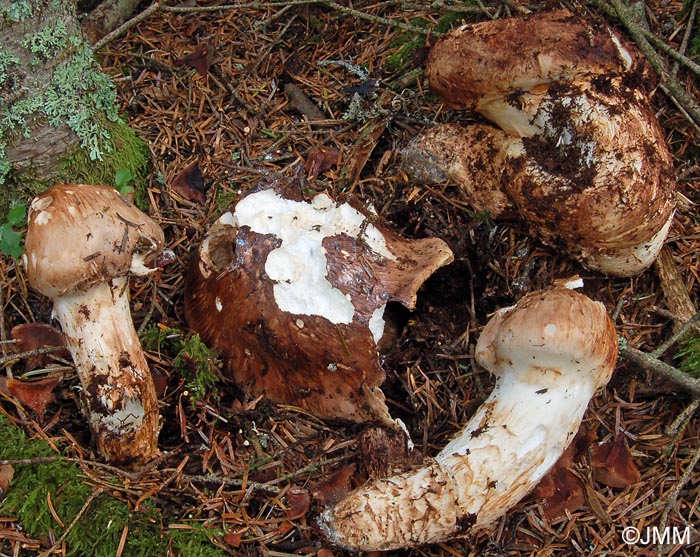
{"x": 296, "y": 347}
{"x": 477, "y": 63}
{"x": 115, "y": 238}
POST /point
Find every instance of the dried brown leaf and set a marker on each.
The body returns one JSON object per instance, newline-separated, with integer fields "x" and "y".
{"x": 189, "y": 184}
{"x": 200, "y": 59}
{"x": 613, "y": 464}
{"x": 562, "y": 492}
{"x": 34, "y": 394}
{"x": 335, "y": 487}
{"x": 319, "y": 160}
{"x": 7, "y": 472}
{"x": 298, "y": 503}
{"x": 32, "y": 336}
{"x": 233, "y": 539}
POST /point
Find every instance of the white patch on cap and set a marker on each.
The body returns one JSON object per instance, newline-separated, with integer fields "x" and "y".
{"x": 298, "y": 266}
{"x": 217, "y": 303}
{"x": 622, "y": 51}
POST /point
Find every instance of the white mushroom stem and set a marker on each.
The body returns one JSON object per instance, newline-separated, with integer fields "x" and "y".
{"x": 118, "y": 390}
{"x": 550, "y": 353}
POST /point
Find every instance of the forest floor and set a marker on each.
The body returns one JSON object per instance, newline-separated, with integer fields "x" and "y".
{"x": 221, "y": 98}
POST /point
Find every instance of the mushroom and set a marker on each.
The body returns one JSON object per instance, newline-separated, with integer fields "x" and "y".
{"x": 578, "y": 152}
{"x": 293, "y": 294}
{"x": 549, "y": 353}
{"x": 82, "y": 243}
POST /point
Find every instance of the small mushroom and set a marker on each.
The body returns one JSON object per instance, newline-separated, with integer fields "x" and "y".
{"x": 576, "y": 149}
{"x": 549, "y": 353}
{"x": 82, "y": 243}
{"x": 293, "y": 294}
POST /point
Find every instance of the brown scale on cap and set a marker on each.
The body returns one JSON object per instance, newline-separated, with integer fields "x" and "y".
{"x": 504, "y": 58}
{"x": 315, "y": 357}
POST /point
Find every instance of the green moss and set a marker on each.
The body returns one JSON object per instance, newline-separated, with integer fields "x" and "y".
{"x": 196, "y": 541}
{"x": 193, "y": 360}
{"x": 688, "y": 355}
{"x": 98, "y": 531}
{"x": 407, "y": 43}
{"x": 127, "y": 152}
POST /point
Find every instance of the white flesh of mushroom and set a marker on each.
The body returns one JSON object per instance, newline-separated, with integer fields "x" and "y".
{"x": 298, "y": 267}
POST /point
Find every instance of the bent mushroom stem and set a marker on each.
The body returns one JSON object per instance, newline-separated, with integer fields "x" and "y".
{"x": 550, "y": 353}
{"x": 118, "y": 391}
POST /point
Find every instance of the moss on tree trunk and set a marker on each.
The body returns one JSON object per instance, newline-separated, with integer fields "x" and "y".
{"x": 59, "y": 117}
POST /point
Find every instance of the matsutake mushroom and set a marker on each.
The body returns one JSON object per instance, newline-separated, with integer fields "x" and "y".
{"x": 293, "y": 294}
{"x": 82, "y": 243}
{"x": 549, "y": 354}
{"x": 576, "y": 149}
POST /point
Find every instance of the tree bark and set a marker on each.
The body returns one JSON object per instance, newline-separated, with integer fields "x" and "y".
{"x": 33, "y": 54}
{"x": 58, "y": 111}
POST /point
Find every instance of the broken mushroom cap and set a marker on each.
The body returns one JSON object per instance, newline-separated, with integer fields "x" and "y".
{"x": 500, "y": 68}
{"x": 293, "y": 294}
{"x": 549, "y": 354}
{"x": 82, "y": 243}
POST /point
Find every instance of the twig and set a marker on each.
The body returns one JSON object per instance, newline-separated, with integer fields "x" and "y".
{"x": 334, "y": 5}
{"x": 686, "y": 35}
{"x": 58, "y": 458}
{"x": 680, "y": 333}
{"x": 96, "y": 493}
{"x": 378, "y": 19}
{"x": 672, "y": 497}
{"x": 677, "y": 56}
{"x": 231, "y": 482}
{"x": 124, "y": 27}
{"x": 28, "y": 353}
{"x": 654, "y": 365}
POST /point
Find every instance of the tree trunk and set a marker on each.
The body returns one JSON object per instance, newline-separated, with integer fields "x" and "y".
{"x": 58, "y": 111}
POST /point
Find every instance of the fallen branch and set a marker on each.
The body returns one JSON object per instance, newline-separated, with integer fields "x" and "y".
{"x": 656, "y": 366}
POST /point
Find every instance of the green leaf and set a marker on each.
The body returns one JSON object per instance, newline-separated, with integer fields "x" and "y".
{"x": 121, "y": 181}
{"x": 17, "y": 215}
{"x": 10, "y": 241}
{"x": 122, "y": 178}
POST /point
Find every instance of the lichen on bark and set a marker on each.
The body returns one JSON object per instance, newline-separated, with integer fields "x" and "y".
{"x": 59, "y": 117}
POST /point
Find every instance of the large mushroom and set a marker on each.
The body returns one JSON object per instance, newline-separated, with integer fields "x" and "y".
{"x": 549, "y": 354}
{"x": 293, "y": 294}
{"x": 576, "y": 149}
{"x": 82, "y": 243}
